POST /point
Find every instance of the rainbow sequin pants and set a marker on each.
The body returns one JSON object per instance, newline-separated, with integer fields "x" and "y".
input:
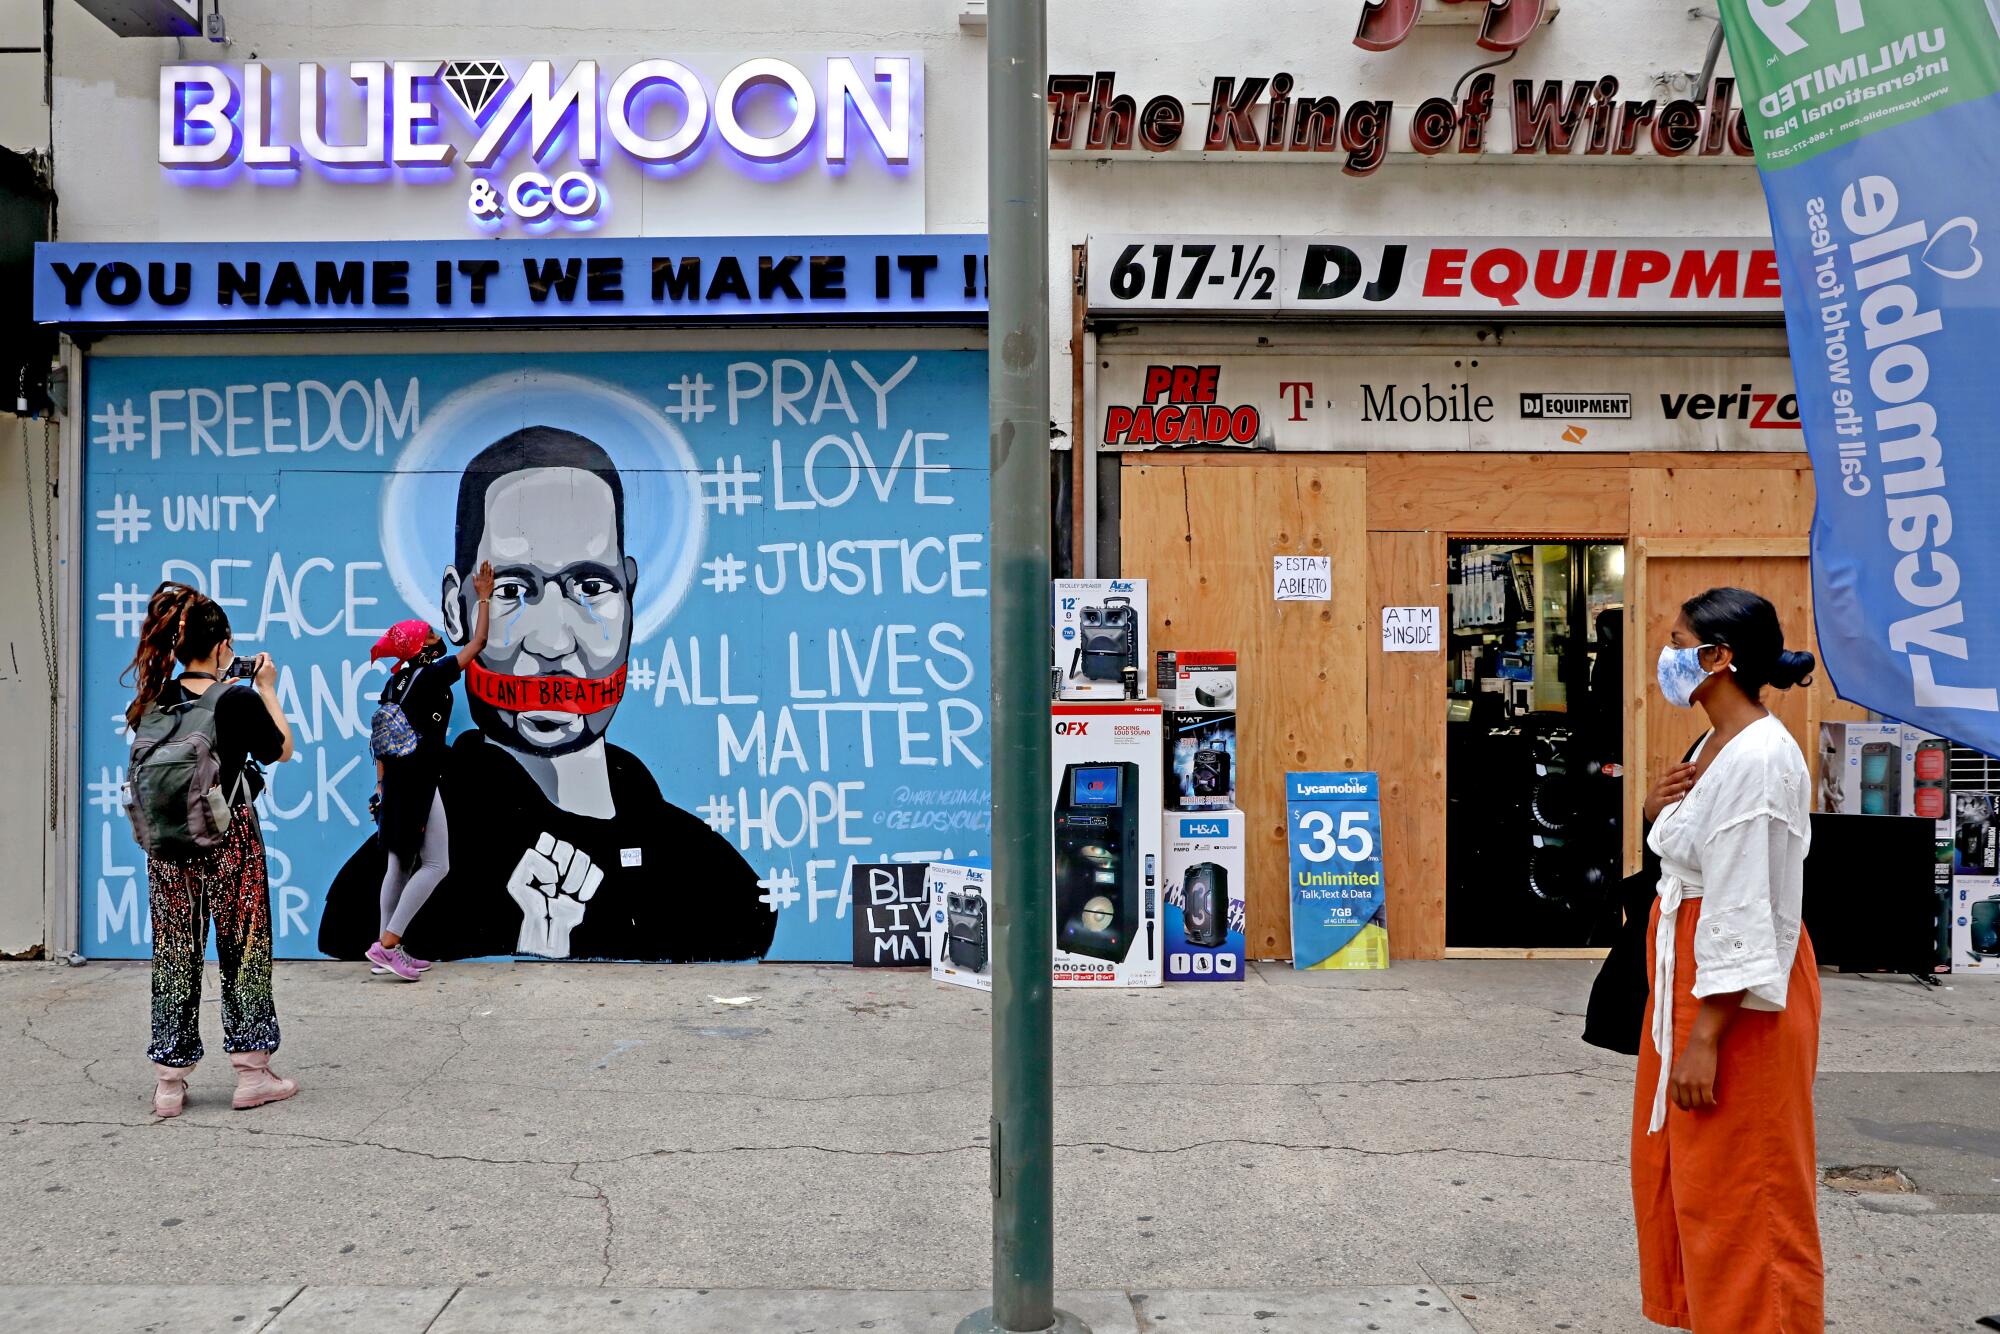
{"x": 228, "y": 883}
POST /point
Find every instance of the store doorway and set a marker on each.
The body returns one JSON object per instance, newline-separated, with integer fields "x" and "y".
{"x": 1534, "y": 743}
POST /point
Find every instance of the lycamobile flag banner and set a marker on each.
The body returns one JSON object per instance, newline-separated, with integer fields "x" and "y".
{"x": 1877, "y": 128}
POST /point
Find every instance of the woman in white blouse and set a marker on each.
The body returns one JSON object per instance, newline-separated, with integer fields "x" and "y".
{"x": 1723, "y": 1169}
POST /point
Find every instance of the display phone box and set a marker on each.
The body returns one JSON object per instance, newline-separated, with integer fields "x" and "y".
{"x": 1201, "y": 761}
{"x": 1100, "y": 639}
{"x": 1196, "y": 680}
{"x": 1105, "y": 795}
{"x": 1975, "y": 926}
{"x": 1883, "y": 769}
{"x": 1205, "y": 896}
{"x": 962, "y": 923}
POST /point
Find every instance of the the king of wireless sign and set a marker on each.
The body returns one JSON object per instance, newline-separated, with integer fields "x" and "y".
{"x": 508, "y": 131}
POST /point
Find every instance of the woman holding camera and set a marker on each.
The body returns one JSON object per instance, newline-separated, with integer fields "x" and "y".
{"x": 1723, "y": 1168}
{"x": 227, "y": 881}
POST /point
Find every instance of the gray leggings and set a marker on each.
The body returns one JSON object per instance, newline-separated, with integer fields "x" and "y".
{"x": 404, "y": 891}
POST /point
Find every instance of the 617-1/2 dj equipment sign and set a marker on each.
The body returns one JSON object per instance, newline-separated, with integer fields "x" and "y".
{"x": 1571, "y": 276}
{"x": 1333, "y": 822}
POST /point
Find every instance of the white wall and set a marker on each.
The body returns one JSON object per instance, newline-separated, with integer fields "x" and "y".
{"x": 24, "y": 695}
{"x": 24, "y": 125}
{"x": 1180, "y": 48}
{"x": 24, "y": 117}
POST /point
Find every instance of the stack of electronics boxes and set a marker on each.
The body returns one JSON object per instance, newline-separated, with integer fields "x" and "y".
{"x": 1204, "y": 828}
{"x": 1105, "y": 789}
{"x": 1890, "y": 769}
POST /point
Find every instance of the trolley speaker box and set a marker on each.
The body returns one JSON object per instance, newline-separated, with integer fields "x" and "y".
{"x": 1099, "y": 639}
{"x": 1201, "y": 761}
{"x": 960, "y": 919}
{"x": 1870, "y": 893}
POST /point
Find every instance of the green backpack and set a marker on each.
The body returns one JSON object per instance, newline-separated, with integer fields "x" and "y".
{"x": 173, "y": 787}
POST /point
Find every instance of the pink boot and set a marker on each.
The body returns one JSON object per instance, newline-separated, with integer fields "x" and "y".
{"x": 255, "y": 1084}
{"x": 170, "y": 1094}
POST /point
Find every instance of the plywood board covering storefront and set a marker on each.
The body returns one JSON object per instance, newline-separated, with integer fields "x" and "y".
{"x": 1206, "y": 537}
{"x": 1318, "y": 692}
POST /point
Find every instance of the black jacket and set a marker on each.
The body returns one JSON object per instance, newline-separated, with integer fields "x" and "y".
{"x": 673, "y": 889}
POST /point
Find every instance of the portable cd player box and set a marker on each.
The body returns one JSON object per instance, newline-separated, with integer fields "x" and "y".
{"x": 1100, "y": 639}
{"x": 1205, "y": 896}
{"x": 1105, "y": 820}
{"x": 961, "y": 923}
{"x": 1975, "y": 926}
{"x": 1196, "y": 680}
{"x": 1201, "y": 761}
{"x": 1883, "y": 769}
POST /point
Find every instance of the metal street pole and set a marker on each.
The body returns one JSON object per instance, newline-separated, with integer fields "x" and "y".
{"x": 1017, "y": 358}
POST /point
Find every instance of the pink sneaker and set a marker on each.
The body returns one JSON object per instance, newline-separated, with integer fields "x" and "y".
{"x": 421, "y": 965}
{"x": 393, "y": 961}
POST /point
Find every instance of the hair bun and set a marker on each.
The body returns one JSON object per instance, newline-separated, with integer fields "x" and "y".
{"x": 1793, "y": 669}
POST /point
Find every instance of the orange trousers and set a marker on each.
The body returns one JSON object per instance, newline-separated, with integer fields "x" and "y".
{"x": 1726, "y": 1197}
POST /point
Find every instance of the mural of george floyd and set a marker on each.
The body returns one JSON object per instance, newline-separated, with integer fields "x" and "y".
{"x": 739, "y": 629}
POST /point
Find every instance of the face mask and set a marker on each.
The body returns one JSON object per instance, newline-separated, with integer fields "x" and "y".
{"x": 429, "y": 654}
{"x": 1681, "y": 674}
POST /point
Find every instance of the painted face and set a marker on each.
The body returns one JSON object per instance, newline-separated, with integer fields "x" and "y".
{"x": 561, "y": 613}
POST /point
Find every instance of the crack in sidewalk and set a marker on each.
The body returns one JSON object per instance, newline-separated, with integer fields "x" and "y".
{"x": 577, "y": 1164}
{"x": 610, "y": 1223}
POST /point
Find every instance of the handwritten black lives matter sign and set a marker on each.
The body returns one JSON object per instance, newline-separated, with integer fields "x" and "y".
{"x": 891, "y": 906}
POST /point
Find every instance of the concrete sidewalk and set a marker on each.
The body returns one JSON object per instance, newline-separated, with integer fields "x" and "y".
{"x": 311, "y": 1310}
{"x": 562, "y": 1136}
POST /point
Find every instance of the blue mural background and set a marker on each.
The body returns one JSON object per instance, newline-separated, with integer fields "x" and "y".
{"x": 808, "y": 672}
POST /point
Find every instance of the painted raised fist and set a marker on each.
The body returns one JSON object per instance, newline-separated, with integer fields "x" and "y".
{"x": 552, "y": 882}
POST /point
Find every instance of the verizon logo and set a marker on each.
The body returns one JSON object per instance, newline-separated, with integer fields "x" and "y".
{"x": 1764, "y": 412}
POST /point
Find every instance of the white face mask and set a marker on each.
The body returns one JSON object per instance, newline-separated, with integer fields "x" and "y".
{"x": 1681, "y": 674}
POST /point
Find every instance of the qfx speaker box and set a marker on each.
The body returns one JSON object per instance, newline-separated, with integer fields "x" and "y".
{"x": 1097, "y": 860}
{"x": 1205, "y": 900}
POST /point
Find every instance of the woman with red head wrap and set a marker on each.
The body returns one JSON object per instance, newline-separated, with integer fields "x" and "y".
{"x": 407, "y": 805}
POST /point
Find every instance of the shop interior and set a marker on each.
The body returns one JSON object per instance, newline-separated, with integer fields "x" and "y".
{"x": 1534, "y": 743}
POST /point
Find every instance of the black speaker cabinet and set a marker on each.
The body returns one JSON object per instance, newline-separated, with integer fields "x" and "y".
{"x": 1097, "y": 860}
{"x": 1108, "y": 640}
{"x": 965, "y": 931}
{"x": 1870, "y": 893}
{"x": 1210, "y": 774}
{"x": 1205, "y": 904}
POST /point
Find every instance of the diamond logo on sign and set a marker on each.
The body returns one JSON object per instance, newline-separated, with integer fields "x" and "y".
{"x": 475, "y": 83}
